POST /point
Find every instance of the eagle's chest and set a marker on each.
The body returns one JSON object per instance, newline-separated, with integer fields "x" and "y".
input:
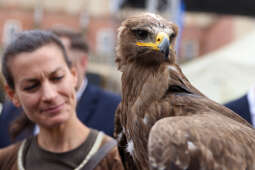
{"x": 142, "y": 92}
{"x": 136, "y": 132}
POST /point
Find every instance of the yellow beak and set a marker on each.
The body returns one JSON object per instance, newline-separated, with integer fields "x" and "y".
{"x": 155, "y": 45}
{"x": 162, "y": 43}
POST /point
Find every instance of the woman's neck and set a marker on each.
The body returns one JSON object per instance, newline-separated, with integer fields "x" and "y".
{"x": 64, "y": 137}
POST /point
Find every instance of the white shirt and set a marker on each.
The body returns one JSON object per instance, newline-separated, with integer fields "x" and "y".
{"x": 79, "y": 93}
{"x": 251, "y": 101}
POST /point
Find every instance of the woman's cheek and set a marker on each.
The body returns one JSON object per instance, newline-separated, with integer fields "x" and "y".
{"x": 29, "y": 102}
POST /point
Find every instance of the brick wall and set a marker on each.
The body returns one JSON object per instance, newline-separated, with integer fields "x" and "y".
{"x": 217, "y": 35}
{"x": 201, "y": 38}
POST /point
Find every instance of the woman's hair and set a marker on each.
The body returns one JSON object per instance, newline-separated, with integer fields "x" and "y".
{"x": 27, "y": 41}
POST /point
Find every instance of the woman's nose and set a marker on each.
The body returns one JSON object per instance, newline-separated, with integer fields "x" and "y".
{"x": 48, "y": 91}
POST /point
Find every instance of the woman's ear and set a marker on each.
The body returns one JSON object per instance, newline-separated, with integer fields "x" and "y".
{"x": 84, "y": 63}
{"x": 75, "y": 76}
{"x": 12, "y": 95}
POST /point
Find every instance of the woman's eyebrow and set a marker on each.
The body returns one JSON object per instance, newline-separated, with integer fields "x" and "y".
{"x": 56, "y": 70}
{"x": 29, "y": 80}
{"x": 32, "y": 80}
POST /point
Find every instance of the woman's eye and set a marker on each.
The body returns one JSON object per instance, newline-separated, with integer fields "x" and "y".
{"x": 31, "y": 87}
{"x": 57, "y": 78}
{"x": 141, "y": 34}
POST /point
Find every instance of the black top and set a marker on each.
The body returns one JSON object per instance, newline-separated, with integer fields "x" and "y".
{"x": 38, "y": 158}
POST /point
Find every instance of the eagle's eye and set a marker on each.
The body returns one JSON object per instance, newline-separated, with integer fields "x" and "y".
{"x": 172, "y": 36}
{"x": 141, "y": 34}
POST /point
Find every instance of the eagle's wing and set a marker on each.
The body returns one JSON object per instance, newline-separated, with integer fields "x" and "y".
{"x": 205, "y": 141}
{"x": 122, "y": 141}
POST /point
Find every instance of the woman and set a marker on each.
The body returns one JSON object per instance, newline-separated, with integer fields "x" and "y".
{"x": 41, "y": 80}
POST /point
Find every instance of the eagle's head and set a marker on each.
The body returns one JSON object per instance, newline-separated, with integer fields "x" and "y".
{"x": 147, "y": 38}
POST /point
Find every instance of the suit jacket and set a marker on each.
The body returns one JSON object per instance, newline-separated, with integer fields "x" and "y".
{"x": 96, "y": 109}
{"x": 241, "y": 107}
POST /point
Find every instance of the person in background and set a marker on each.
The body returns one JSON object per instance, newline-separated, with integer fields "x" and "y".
{"x": 41, "y": 79}
{"x": 95, "y": 106}
{"x": 244, "y": 106}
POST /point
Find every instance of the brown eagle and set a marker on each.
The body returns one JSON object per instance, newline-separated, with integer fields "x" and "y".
{"x": 163, "y": 122}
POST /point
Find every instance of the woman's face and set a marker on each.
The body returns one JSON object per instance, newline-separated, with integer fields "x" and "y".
{"x": 44, "y": 86}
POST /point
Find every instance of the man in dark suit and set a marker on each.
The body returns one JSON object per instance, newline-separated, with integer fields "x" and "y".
{"x": 95, "y": 107}
{"x": 244, "y": 106}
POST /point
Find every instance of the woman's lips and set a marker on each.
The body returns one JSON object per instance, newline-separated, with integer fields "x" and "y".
{"x": 53, "y": 109}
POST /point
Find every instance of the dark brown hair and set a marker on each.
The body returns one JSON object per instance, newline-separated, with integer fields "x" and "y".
{"x": 28, "y": 41}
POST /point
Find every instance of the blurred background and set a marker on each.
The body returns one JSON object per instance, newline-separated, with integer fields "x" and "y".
{"x": 216, "y": 43}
